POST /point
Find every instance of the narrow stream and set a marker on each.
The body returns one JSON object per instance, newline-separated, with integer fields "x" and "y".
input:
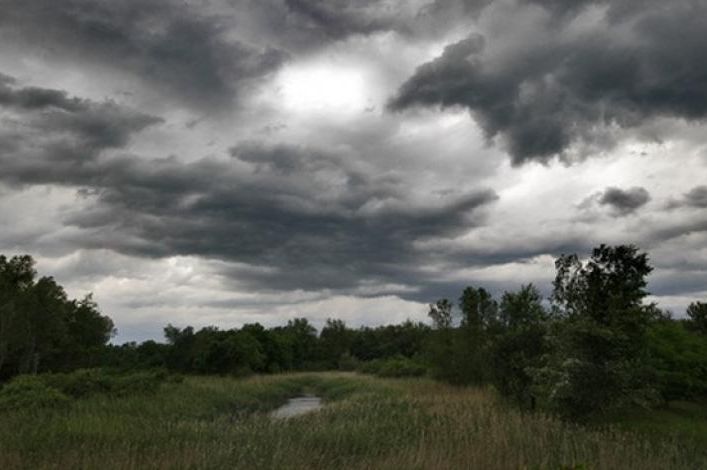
{"x": 298, "y": 406}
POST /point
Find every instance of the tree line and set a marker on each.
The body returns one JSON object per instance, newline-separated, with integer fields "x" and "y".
{"x": 253, "y": 348}
{"x": 41, "y": 329}
{"x": 595, "y": 345}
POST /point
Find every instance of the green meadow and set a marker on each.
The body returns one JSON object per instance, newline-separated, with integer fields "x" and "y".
{"x": 366, "y": 423}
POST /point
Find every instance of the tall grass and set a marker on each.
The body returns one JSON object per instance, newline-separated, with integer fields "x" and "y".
{"x": 367, "y": 423}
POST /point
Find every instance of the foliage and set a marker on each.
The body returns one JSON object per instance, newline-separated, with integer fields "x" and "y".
{"x": 85, "y": 382}
{"x": 30, "y": 392}
{"x": 679, "y": 357}
{"x": 398, "y": 366}
{"x": 40, "y": 327}
{"x": 348, "y": 362}
{"x": 598, "y": 348}
{"x": 441, "y": 314}
{"x": 599, "y": 357}
{"x": 697, "y": 313}
{"x": 51, "y": 390}
{"x": 255, "y": 349}
{"x": 442, "y": 346}
{"x": 520, "y": 345}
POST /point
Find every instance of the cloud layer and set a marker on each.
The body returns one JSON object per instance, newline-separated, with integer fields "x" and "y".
{"x": 173, "y": 47}
{"x": 224, "y": 161}
{"x": 571, "y": 79}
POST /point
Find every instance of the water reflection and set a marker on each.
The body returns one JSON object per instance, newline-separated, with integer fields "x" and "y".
{"x": 298, "y": 406}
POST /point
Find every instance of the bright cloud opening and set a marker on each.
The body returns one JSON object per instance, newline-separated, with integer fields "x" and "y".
{"x": 323, "y": 87}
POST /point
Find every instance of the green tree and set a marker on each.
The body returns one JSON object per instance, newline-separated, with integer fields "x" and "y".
{"x": 679, "y": 357}
{"x": 88, "y": 329}
{"x": 335, "y": 340}
{"x": 600, "y": 354}
{"x": 16, "y": 279}
{"x": 479, "y": 309}
{"x": 473, "y": 339}
{"x": 303, "y": 340}
{"x": 520, "y": 344}
{"x": 441, "y": 314}
{"x": 40, "y": 327}
{"x": 443, "y": 355}
{"x": 697, "y": 313}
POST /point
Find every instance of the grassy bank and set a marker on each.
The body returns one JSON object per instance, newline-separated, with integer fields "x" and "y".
{"x": 368, "y": 423}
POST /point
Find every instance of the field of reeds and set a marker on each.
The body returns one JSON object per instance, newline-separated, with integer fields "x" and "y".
{"x": 204, "y": 422}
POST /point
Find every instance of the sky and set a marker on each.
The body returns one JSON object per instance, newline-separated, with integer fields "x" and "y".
{"x": 221, "y": 162}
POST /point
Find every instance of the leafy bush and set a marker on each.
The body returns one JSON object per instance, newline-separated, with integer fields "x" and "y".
{"x": 348, "y": 362}
{"x": 679, "y": 357}
{"x": 50, "y": 390}
{"x": 79, "y": 383}
{"x": 85, "y": 382}
{"x": 30, "y": 392}
{"x": 397, "y": 366}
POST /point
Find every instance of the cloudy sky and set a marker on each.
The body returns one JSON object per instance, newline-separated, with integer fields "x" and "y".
{"x": 228, "y": 161}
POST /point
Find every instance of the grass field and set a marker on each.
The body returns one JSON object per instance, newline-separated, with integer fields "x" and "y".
{"x": 367, "y": 423}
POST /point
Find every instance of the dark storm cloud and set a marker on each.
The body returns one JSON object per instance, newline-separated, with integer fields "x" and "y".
{"x": 37, "y": 98}
{"x": 453, "y": 9}
{"x": 309, "y": 225}
{"x": 170, "y": 45}
{"x": 304, "y": 25}
{"x": 48, "y": 136}
{"x": 624, "y": 201}
{"x": 566, "y": 87}
{"x": 337, "y": 19}
{"x": 303, "y": 218}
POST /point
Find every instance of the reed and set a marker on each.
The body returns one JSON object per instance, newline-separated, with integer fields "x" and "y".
{"x": 368, "y": 423}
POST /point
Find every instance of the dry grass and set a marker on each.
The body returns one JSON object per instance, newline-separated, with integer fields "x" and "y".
{"x": 368, "y": 424}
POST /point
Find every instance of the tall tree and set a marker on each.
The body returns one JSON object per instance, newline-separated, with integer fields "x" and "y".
{"x": 520, "y": 344}
{"x": 697, "y": 313}
{"x": 40, "y": 327}
{"x": 335, "y": 340}
{"x": 600, "y": 344}
{"x": 479, "y": 324}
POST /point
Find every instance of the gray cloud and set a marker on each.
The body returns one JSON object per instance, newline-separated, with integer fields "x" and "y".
{"x": 312, "y": 224}
{"x": 305, "y": 218}
{"x": 334, "y": 203}
{"x": 566, "y": 87}
{"x": 624, "y": 201}
{"x": 172, "y": 46}
{"x": 696, "y": 197}
{"x": 337, "y": 19}
{"x": 305, "y": 25}
{"x": 36, "y": 98}
{"x": 48, "y": 136}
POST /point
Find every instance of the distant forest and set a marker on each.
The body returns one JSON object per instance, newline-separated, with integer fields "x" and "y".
{"x": 594, "y": 347}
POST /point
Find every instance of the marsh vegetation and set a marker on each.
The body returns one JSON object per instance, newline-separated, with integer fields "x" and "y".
{"x": 367, "y": 422}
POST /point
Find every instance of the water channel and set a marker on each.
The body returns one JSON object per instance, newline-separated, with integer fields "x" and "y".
{"x": 298, "y": 406}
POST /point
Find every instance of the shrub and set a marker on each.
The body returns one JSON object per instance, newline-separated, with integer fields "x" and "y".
{"x": 30, "y": 392}
{"x": 86, "y": 382}
{"x": 348, "y": 362}
{"x": 397, "y": 366}
{"x": 80, "y": 383}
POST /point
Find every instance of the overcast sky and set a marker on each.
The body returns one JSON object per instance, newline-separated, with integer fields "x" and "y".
{"x": 218, "y": 162}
